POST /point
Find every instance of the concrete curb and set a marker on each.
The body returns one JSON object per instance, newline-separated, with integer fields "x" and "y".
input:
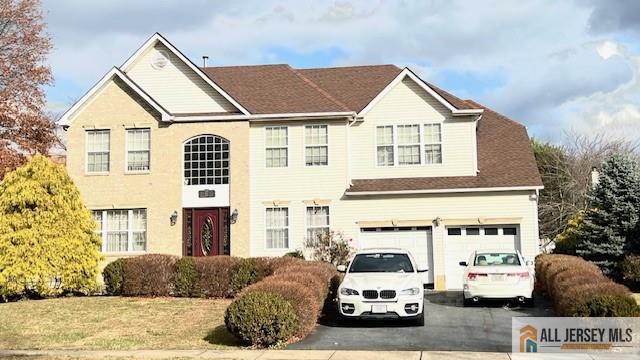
{"x": 302, "y": 355}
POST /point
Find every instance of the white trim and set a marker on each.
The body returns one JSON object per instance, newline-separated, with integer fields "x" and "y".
{"x": 440, "y": 191}
{"x": 266, "y": 117}
{"x": 86, "y": 152}
{"x": 66, "y": 118}
{"x": 406, "y": 72}
{"x": 304, "y": 145}
{"x": 266, "y": 229}
{"x": 159, "y": 38}
{"x": 267, "y": 147}
{"x": 126, "y": 151}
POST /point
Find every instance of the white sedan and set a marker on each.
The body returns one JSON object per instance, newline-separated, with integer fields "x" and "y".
{"x": 382, "y": 284}
{"x": 497, "y": 274}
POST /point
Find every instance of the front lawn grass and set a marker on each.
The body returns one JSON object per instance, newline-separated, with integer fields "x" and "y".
{"x": 115, "y": 323}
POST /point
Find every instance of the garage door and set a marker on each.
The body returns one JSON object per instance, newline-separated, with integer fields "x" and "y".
{"x": 417, "y": 240}
{"x": 461, "y": 241}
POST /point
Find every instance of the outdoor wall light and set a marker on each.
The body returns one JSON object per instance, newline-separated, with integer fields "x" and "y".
{"x": 234, "y": 216}
{"x": 174, "y": 218}
{"x": 438, "y": 220}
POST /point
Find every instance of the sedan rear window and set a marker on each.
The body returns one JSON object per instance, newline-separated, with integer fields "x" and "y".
{"x": 496, "y": 259}
{"x": 381, "y": 262}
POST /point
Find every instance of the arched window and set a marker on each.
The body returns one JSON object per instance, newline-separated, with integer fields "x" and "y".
{"x": 206, "y": 161}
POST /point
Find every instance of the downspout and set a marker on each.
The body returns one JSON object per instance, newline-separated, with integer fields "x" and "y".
{"x": 350, "y": 121}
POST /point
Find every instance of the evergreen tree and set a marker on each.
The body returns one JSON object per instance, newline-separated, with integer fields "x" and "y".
{"x": 48, "y": 243}
{"x": 611, "y": 224}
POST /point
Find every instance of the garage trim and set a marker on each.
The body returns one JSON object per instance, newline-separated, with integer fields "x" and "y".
{"x": 394, "y": 223}
{"x": 483, "y": 221}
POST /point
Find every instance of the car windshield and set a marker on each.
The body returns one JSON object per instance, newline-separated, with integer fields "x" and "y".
{"x": 496, "y": 259}
{"x": 381, "y": 262}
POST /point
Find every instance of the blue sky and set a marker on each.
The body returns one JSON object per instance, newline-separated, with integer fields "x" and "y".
{"x": 557, "y": 67}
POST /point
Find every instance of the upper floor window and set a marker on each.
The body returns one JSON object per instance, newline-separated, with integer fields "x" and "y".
{"x": 277, "y": 228}
{"x": 316, "y": 145}
{"x": 412, "y": 144}
{"x": 98, "y": 144}
{"x": 432, "y": 144}
{"x": 276, "y": 146}
{"x": 317, "y": 221}
{"x": 122, "y": 230}
{"x": 408, "y": 144}
{"x": 384, "y": 136}
{"x": 206, "y": 161}
{"x": 138, "y": 149}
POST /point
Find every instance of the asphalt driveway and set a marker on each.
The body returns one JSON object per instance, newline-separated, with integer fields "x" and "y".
{"x": 448, "y": 327}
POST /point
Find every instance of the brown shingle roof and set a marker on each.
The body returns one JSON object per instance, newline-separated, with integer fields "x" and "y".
{"x": 505, "y": 159}
{"x": 355, "y": 86}
{"x": 273, "y": 89}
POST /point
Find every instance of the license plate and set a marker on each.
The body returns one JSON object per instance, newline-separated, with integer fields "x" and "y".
{"x": 378, "y": 309}
{"x": 497, "y": 277}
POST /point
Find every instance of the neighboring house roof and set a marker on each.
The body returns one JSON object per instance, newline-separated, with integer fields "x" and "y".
{"x": 505, "y": 160}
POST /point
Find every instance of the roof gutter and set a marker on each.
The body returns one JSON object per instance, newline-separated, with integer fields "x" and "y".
{"x": 441, "y": 191}
{"x": 266, "y": 117}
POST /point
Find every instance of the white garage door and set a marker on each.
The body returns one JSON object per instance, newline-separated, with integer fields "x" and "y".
{"x": 461, "y": 241}
{"x": 417, "y": 240}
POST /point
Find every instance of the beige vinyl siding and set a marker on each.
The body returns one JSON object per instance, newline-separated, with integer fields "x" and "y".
{"x": 176, "y": 87}
{"x": 160, "y": 189}
{"x": 408, "y": 104}
{"x": 295, "y": 183}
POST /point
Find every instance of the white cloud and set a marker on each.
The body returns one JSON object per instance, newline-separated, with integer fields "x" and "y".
{"x": 556, "y": 69}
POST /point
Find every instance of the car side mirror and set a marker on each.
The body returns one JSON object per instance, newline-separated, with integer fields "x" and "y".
{"x": 462, "y": 263}
{"x": 342, "y": 268}
{"x": 423, "y": 270}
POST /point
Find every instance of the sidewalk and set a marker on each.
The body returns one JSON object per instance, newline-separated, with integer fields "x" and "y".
{"x": 297, "y": 354}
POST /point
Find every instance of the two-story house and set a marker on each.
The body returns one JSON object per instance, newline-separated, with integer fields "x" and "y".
{"x": 252, "y": 160}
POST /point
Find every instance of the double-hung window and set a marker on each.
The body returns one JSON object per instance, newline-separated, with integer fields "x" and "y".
{"x": 432, "y": 144}
{"x": 411, "y": 144}
{"x": 276, "y": 143}
{"x": 408, "y": 144}
{"x": 122, "y": 230}
{"x": 277, "y": 228}
{"x": 384, "y": 150}
{"x": 98, "y": 143}
{"x": 316, "y": 145}
{"x": 317, "y": 221}
{"x": 138, "y": 149}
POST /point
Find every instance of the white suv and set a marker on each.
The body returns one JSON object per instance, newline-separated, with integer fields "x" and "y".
{"x": 382, "y": 283}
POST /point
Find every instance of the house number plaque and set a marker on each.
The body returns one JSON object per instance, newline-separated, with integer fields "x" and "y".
{"x": 207, "y": 193}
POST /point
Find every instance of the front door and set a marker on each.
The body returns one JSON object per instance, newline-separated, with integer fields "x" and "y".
{"x": 206, "y": 232}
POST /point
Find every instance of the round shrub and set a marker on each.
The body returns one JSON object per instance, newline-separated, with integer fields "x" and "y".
{"x": 607, "y": 306}
{"x": 186, "y": 276}
{"x": 309, "y": 280}
{"x": 113, "y": 275}
{"x": 261, "y": 319}
{"x": 304, "y": 301}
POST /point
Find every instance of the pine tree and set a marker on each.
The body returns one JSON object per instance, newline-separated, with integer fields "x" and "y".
{"x": 48, "y": 243}
{"x": 611, "y": 223}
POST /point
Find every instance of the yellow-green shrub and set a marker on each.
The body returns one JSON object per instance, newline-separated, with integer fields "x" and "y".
{"x": 48, "y": 243}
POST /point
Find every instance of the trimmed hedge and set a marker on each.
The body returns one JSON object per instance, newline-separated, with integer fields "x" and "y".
{"x": 186, "y": 276}
{"x": 579, "y": 288}
{"x": 113, "y": 275}
{"x": 213, "y": 279}
{"x": 306, "y": 286}
{"x": 261, "y": 319}
{"x": 149, "y": 275}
